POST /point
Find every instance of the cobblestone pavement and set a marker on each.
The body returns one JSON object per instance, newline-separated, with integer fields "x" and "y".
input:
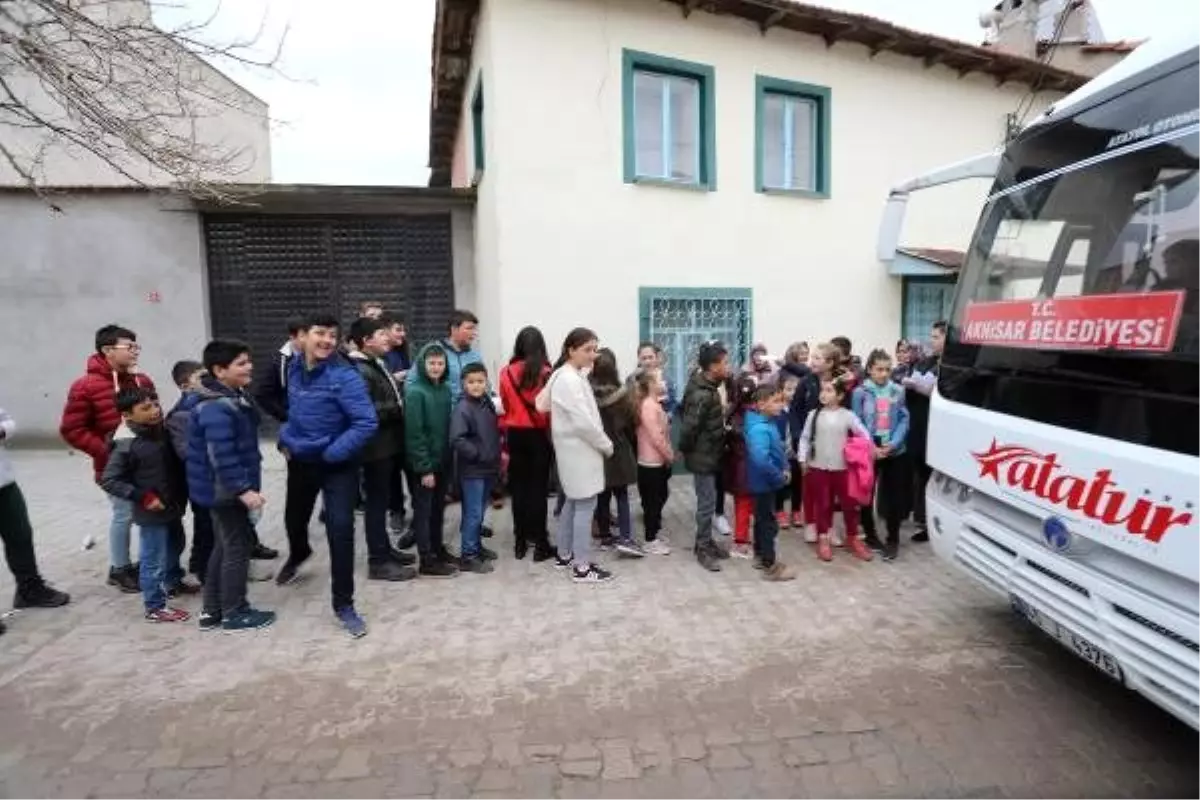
{"x": 854, "y": 680}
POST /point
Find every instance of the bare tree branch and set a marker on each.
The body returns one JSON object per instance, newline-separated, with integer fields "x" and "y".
{"x": 97, "y": 79}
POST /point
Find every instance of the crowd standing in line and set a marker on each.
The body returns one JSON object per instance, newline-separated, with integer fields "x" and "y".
{"x": 363, "y": 425}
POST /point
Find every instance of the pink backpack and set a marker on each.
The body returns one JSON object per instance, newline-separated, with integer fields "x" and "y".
{"x": 860, "y": 469}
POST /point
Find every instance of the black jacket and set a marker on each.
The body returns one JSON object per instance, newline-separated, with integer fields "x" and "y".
{"x": 475, "y": 438}
{"x": 388, "y": 441}
{"x": 619, "y": 417}
{"x": 271, "y": 394}
{"x": 143, "y": 466}
{"x": 702, "y": 432}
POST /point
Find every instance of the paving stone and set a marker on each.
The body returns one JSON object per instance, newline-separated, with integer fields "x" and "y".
{"x": 726, "y": 758}
{"x": 690, "y": 747}
{"x": 576, "y": 751}
{"x": 588, "y": 768}
{"x": 354, "y": 763}
{"x": 542, "y": 752}
{"x": 495, "y": 780}
{"x": 466, "y": 758}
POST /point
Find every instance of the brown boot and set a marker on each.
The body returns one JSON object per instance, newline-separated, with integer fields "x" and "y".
{"x": 778, "y": 572}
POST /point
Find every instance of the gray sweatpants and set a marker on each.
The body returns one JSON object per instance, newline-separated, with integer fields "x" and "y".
{"x": 575, "y": 530}
{"x": 706, "y": 506}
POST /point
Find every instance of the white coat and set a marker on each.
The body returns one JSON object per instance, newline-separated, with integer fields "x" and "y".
{"x": 580, "y": 445}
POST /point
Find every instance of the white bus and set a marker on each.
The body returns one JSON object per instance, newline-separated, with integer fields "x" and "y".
{"x": 1065, "y": 427}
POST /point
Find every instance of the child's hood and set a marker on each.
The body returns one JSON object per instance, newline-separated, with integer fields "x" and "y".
{"x": 436, "y": 348}
{"x": 607, "y": 395}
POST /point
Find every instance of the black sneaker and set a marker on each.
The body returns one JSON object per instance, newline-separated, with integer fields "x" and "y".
{"x": 520, "y": 549}
{"x": 486, "y": 531}
{"x": 890, "y": 551}
{"x": 3, "y": 627}
{"x": 402, "y": 558}
{"x": 707, "y": 559}
{"x": 487, "y": 554}
{"x": 874, "y": 544}
{"x": 184, "y": 587}
{"x": 288, "y": 573}
{"x": 478, "y": 565}
{"x": 124, "y": 578}
{"x": 630, "y": 549}
{"x": 263, "y": 553}
{"x": 442, "y": 554}
{"x": 209, "y": 621}
{"x": 40, "y": 595}
{"x": 250, "y": 619}
{"x": 592, "y": 574}
{"x": 437, "y": 569}
{"x": 562, "y": 563}
{"x": 922, "y": 535}
{"x": 407, "y": 540}
{"x": 390, "y": 571}
{"x": 541, "y": 554}
{"x": 719, "y": 552}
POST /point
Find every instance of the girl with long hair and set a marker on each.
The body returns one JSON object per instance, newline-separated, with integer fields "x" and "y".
{"x": 618, "y": 414}
{"x": 527, "y": 434}
{"x": 580, "y": 447}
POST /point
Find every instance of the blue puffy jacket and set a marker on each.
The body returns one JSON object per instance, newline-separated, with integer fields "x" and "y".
{"x": 330, "y": 414}
{"x": 223, "y": 459}
{"x": 766, "y": 456}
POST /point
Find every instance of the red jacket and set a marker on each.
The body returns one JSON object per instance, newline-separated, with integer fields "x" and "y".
{"x": 518, "y": 404}
{"x": 90, "y": 416}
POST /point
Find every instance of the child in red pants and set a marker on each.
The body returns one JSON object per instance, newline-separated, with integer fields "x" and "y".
{"x": 734, "y": 468}
{"x": 822, "y": 446}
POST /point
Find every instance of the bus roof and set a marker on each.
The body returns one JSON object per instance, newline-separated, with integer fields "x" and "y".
{"x": 1144, "y": 59}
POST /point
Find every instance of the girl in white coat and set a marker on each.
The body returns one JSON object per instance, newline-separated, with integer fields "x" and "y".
{"x": 580, "y": 448}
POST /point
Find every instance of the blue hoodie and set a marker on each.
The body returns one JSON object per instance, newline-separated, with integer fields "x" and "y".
{"x": 766, "y": 457}
{"x": 330, "y": 414}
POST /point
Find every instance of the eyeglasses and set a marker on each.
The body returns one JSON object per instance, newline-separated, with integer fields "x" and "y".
{"x": 133, "y": 348}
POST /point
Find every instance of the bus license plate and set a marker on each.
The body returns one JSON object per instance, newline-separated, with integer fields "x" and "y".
{"x": 1089, "y": 652}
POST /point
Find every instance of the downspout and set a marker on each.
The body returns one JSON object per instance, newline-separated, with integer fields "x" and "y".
{"x": 982, "y": 166}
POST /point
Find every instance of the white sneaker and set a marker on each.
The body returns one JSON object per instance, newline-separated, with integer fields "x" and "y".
{"x": 838, "y": 538}
{"x": 810, "y": 534}
{"x": 722, "y": 524}
{"x": 658, "y": 548}
{"x": 662, "y": 537}
{"x": 742, "y": 551}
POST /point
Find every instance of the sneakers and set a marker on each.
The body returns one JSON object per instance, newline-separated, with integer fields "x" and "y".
{"x": 184, "y": 587}
{"x": 288, "y": 573}
{"x": 824, "y": 548}
{"x": 797, "y": 520}
{"x": 402, "y": 558}
{"x": 520, "y": 549}
{"x": 922, "y": 534}
{"x": 390, "y": 571}
{"x": 124, "y": 578}
{"x": 722, "y": 525}
{"x": 250, "y": 619}
{"x": 783, "y": 520}
{"x": 486, "y": 530}
{"x": 874, "y": 544}
{"x": 778, "y": 573}
{"x": 708, "y": 559}
{"x": 541, "y": 554}
{"x": 890, "y": 551}
{"x": 487, "y": 554}
{"x": 442, "y": 554}
{"x": 167, "y": 615}
{"x": 810, "y": 534}
{"x": 263, "y": 553}
{"x": 477, "y": 564}
{"x": 742, "y": 550}
{"x": 351, "y": 622}
{"x": 437, "y": 569}
{"x": 209, "y": 621}
{"x": 658, "y": 547}
{"x": 630, "y": 549}
{"x": 591, "y": 574}
{"x": 720, "y": 552}
{"x": 758, "y": 563}
{"x": 407, "y": 540}
{"x": 40, "y": 595}
{"x": 858, "y": 549}
{"x": 560, "y": 562}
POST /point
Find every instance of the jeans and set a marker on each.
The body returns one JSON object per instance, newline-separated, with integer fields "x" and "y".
{"x": 377, "y": 481}
{"x": 654, "y": 487}
{"x": 575, "y": 530}
{"x": 530, "y": 455}
{"x": 338, "y": 486}
{"x": 152, "y": 576}
{"x": 476, "y": 493}
{"x": 604, "y": 512}
{"x": 202, "y": 542}
{"x": 119, "y": 531}
{"x": 176, "y": 543}
{"x": 429, "y": 507}
{"x": 17, "y": 534}
{"x": 229, "y": 565}
{"x": 706, "y": 506}
{"x": 766, "y": 528}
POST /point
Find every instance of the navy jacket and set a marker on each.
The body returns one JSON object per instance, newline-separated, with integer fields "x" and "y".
{"x": 475, "y": 438}
{"x": 145, "y": 466}
{"x": 223, "y": 459}
{"x": 330, "y": 414}
{"x": 766, "y": 457}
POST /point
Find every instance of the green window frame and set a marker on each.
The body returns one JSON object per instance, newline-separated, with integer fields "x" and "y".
{"x": 677, "y": 78}
{"x": 477, "y": 140}
{"x": 816, "y": 103}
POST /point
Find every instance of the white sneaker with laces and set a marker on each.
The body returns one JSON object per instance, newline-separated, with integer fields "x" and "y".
{"x": 658, "y": 547}
{"x": 810, "y": 534}
{"x": 722, "y": 524}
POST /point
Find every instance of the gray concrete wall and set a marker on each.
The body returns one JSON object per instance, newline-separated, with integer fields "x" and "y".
{"x": 129, "y": 258}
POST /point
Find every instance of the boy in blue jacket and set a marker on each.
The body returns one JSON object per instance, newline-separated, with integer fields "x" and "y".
{"x": 330, "y": 420}
{"x": 879, "y": 404}
{"x": 766, "y": 473}
{"x": 224, "y": 476}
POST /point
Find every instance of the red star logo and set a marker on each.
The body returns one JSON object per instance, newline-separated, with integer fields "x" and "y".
{"x": 989, "y": 462}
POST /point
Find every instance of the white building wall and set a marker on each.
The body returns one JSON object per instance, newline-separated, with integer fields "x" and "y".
{"x": 129, "y": 258}
{"x": 574, "y": 242}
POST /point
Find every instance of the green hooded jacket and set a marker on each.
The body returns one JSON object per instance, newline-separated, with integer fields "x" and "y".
{"x": 427, "y": 421}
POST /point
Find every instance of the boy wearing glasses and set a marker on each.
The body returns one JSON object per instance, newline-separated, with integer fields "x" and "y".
{"x": 89, "y": 420}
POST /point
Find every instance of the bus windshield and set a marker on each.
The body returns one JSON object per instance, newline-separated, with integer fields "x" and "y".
{"x": 1077, "y": 305}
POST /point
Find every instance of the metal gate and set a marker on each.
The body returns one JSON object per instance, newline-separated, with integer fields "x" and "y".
{"x": 680, "y": 320}
{"x": 264, "y": 269}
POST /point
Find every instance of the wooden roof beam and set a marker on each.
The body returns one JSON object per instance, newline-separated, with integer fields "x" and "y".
{"x": 689, "y": 6}
{"x": 773, "y": 19}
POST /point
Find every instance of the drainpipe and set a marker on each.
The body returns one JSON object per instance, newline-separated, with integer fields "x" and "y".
{"x": 982, "y": 166}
